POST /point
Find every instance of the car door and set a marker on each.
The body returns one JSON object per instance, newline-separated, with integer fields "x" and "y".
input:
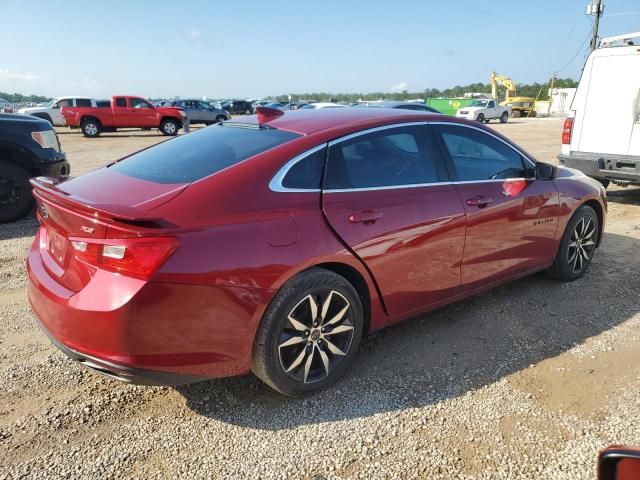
{"x": 56, "y": 111}
{"x": 511, "y": 217}
{"x": 141, "y": 113}
{"x": 387, "y": 196}
{"x": 491, "y": 109}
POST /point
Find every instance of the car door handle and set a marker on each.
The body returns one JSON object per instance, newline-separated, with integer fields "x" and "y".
{"x": 479, "y": 201}
{"x": 367, "y": 217}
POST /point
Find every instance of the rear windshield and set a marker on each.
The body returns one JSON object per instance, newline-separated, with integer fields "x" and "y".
{"x": 199, "y": 154}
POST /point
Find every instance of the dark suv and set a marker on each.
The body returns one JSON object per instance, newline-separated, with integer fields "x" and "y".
{"x": 29, "y": 147}
{"x": 237, "y": 107}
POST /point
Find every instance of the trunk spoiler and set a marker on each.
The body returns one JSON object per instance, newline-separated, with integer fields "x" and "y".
{"x": 46, "y": 189}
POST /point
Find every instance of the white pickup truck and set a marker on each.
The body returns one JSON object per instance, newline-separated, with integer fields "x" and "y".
{"x": 51, "y": 112}
{"x": 485, "y": 110}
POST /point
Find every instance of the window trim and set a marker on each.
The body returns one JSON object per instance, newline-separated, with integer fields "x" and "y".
{"x": 275, "y": 185}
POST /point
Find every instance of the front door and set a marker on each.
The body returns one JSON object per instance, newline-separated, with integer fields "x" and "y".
{"x": 387, "y": 195}
{"x": 140, "y": 113}
{"x": 511, "y": 217}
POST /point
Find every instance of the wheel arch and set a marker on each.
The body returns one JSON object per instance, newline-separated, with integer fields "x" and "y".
{"x": 90, "y": 117}
{"x": 169, "y": 117}
{"x": 599, "y": 212}
{"x": 355, "y": 278}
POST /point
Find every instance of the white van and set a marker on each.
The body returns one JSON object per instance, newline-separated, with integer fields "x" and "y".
{"x": 601, "y": 136}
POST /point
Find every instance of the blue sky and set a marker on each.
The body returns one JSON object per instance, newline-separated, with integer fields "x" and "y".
{"x": 243, "y": 48}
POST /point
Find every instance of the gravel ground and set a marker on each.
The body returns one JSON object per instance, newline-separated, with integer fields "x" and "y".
{"x": 529, "y": 380}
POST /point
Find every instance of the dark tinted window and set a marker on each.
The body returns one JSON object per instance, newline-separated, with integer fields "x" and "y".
{"x": 389, "y": 157}
{"x": 83, "y": 102}
{"x": 479, "y": 156}
{"x": 188, "y": 158}
{"x": 121, "y": 102}
{"x": 306, "y": 173}
{"x": 103, "y": 103}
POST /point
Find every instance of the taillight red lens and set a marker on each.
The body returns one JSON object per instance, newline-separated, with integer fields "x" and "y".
{"x": 133, "y": 257}
{"x": 566, "y": 131}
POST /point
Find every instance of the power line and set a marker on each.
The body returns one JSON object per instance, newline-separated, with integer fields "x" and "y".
{"x": 582, "y": 45}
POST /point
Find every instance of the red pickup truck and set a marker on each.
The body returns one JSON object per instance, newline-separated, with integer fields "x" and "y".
{"x": 124, "y": 112}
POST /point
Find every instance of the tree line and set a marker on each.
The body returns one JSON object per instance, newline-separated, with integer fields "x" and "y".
{"x": 19, "y": 98}
{"x": 536, "y": 89}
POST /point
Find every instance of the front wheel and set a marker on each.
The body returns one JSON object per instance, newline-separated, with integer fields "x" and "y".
{"x": 577, "y": 246}
{"x": 480, "y": 118}
{"x": 309, "y": 334}
{"x": 220, "y": 118}
{"x": 504, "y": 117}
{"x": 169, "y": 127}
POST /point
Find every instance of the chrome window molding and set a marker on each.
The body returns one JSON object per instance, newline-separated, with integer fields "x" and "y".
{"x": 275, "y": 184}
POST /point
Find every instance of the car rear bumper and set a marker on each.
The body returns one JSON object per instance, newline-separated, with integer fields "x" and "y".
{"x": 620, "y": 168}
{"x": 146, "y": 332}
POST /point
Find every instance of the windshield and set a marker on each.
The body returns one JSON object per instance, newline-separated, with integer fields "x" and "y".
{"x": 191, "y": 157}
{"x": 479, "y": 103}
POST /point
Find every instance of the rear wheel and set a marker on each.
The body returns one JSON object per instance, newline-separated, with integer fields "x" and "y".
{"x": 504, "y": 117}
{"x": 16, "y": 200}
{"x": 480, "y": 118}
{"x": 577, "y": 246}
{"x": 90, "y": 127}
{"x": 220, "y": 118}
{"x": 247, "y": 112}
{"x": 169, "y": 127}
{"x": 309, "y": 334}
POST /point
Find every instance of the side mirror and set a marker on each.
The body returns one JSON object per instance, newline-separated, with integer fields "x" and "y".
{"x": 619, "y": 463}
{"x": 55, "y": 106}
{"x": 545, "y": 171}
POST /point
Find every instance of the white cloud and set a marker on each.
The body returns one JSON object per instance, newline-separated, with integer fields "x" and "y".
{"x": 400, "y": 87}
{"x": 194, "y": 34}
{"x": 6, "y": 74}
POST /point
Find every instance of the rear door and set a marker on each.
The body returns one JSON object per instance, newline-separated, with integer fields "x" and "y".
{"x": 607, "y": 122}
{"x": 387, "y": 196}
{"x": 511, "y": 217}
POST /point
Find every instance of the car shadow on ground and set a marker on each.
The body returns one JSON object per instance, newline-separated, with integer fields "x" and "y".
{"x": 446, "y": 353}
{"x": 25, "y": 227}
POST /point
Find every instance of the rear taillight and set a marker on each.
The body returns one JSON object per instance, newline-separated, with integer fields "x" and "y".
{"x": 133, "y": 257}
{"x": 566, "y": 131}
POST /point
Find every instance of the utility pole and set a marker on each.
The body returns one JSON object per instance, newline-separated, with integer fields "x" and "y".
{"x": 595, "y": 8}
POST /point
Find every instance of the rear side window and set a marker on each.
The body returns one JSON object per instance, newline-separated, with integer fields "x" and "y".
{"x": 103, "y": 103}
{"x": 188, "y": 158}
{"x": 83, "y": 102}
{"x": 306, "y": 174}
{"x": 121, "y": 102}
{"x": 479, "y": 156}
{"x": 385, "y": 158}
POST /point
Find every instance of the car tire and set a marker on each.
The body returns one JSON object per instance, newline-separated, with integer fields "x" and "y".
{"x": 220, "y": 118}
{"x": 296, "y": 353}
{"x": 90, "y": 127}
{"x": 169, "y": 127}
{"x": 247, "y": 112}
{"x": 605, "y": 183}
{"x": 480, "y": 118}
{"x": 577, "y": 246}
{"x": 16, "y": 200}
{"x": 504, "y": 117}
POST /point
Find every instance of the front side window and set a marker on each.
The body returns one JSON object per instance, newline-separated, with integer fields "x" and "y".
{"x": 139, "y": 103}
{"x": 492, "y": 104}
{"x": 65, "y": 103}
{"x": 188, "y": 158}
{"x": 476, "y": 155}
{"x": 389, "y": 157}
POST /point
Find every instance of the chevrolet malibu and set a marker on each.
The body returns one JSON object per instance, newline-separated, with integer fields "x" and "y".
{"x": 274, "y": 244}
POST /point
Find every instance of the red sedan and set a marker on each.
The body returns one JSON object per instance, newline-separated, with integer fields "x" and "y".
{"x": 274, "y": 244}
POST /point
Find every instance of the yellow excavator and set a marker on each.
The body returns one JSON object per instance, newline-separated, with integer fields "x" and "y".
{"x": 520, "y": 106}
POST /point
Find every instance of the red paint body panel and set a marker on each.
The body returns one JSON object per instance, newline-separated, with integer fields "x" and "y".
{"x": 240, "y": 242}
{"x": 121, "y": 117}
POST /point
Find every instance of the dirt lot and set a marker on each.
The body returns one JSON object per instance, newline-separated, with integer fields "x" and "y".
{"x": 526, "y": 381}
